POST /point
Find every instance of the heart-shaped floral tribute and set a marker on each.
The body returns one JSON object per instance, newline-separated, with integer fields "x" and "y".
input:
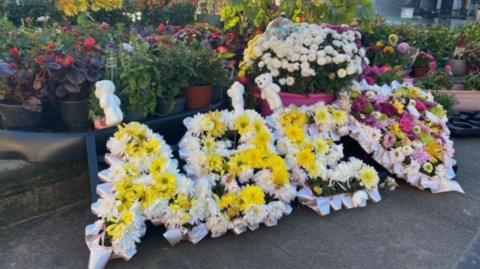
{"x": 307, "y": 137}
{"x": 241, "y": 182}
{"x": 406, "y": 131}
{"x": 142, "y": 183}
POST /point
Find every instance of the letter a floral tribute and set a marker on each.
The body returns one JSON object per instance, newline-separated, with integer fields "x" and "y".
{"x": 306, "y": 137}
{"x": 142, "y": 183}
{"x": 240, "y": 179}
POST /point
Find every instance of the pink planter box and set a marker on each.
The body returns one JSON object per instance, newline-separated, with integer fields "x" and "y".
{"x": 467, "y": 100}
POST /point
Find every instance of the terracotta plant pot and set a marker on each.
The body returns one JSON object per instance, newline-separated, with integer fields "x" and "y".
{"x": 100, "y": 123}
{"x": 16, "y": 117}
{"x": 419, "y": 72}
{"x": 459, "y": 67}
{"x": 294, "y": 99}
{"x": 199, "y": 97}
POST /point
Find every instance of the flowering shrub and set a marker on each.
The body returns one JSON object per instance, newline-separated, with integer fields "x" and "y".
{"x": 142, "y": 184}
{"x": 306, "y": 137}
{"x": 390, "y": 52}
{"x": 407, "y": 133}
{"x": 305, "y": 58}
{"x": 241, "y": 181}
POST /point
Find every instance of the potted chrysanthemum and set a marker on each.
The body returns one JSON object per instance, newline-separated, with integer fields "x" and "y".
{"x": 309, "y": 62}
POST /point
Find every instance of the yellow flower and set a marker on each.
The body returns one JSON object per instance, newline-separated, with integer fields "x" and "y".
{"x": 322, "y": 116}
{"x": 306, "y": 158}
{"x": 207, "y": 124}
{"x": 317, "y": 190}
{"x": 388, "y": 50}
{"x": 380, "y": 44}
{"x": 251, "y": 196}
{"x": 435, "y": 150}
{"x": 165, "y": 185}
{"x": 229, "y": 200}
{"x": 182, "y": 201}
{"x": 399, "y": 106}
{"x": 295, "y": 134}
{"x": 72, "y": 7}
{"x": 262, "y": 139}
{"x": 242, "y": 125}
{"x": 259, "y": 126}
{"x": 153, "y": 146}
{"x": 118, "y": 226}
{"x": 209, "y": 144}
{"x": 215, "y": 163}
{"x": 322, "y": 146}
{"x": 218, "y": 126}
{"x": 398, "y": 132}
{"x": 237, "y": 166}
{"x": 158, "y": 166}
{"x": 294, "y": 117}
{"x": 339, "y": 116}
{"x": 393, "y": 39}
{"x": 279, "y": 170}
{"x": 368, "y": 177}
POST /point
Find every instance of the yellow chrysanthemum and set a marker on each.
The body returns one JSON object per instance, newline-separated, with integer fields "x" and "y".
{"x": 294, "y": 117}
{"x": 306, "y": 158}
{"x": 295, "y": 134}
{"x": 158, "y": 166}
{"x": 380, "y": 44}
{"x": 322, "y": 116}
{"x": 165, "y": 185}
{"x": 72, "y": 7}
{"x": 219, "y": 127}
{"x": 182, "y": 201}
{"x": 317, "y": 190}
{"x": 118, "y": 226}
{"x": 322, "y": 146}
{"x": 262, "y": 139}
{"x": 153, "y": 146}
{"x": 209, "y": 144}
{"x": 435, "y": 150}
{"x": 251, "y": 196}
{"x": 399, "y": 107}
{"x": 393, "y": 39}
{"x": 368, "y": 177}
{"x": 242, "y": 125}
{"x": 215, "y": 163}
{"x": 339, "y": 116}
{"x": 388, "y": 50}
{"x": 237, "y": 165}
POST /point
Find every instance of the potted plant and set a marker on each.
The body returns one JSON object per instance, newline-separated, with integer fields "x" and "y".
{"x": 203, "y": 69}
{"x": 170, "y": 63}
{"x": 21, "y": 100}
{"x": 71, "y": 77}
{"x": 309, "y": 62}
{"x": 136, "y": 79}
{"x": 424, "y": 63}
{"x": 439, "y": 80}
{"x": 207, "y": 11}
{"x": 458, "y": 62}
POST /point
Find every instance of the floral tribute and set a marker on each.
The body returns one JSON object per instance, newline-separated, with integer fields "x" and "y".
{"x": 241, "y": 181}
{"x": 307, "y": 138}
{"x": 142, "y": 183}
{"x": 406, "y": 132}
{"x": 305, "y": 58}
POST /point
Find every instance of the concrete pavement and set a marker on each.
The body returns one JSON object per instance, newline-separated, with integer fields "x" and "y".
{"x": 407, "y": 229}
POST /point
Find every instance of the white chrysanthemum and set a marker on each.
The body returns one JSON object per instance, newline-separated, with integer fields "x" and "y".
{"x": 255, "y": 215}
{"x": 218, "y": 225}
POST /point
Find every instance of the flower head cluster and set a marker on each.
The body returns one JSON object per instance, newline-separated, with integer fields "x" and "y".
{"x": 74, "y": 7}
{"x": 301, "y": 56}
{"x": 241, "y": 181}
{"x": 307, "y": 138}
{"x": 142, "y": 183}
{"x": 407, "y": 132}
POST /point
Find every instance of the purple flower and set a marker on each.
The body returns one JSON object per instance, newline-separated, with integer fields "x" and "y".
{"x": 388, "y": 109}
{"x": 420, "y": 156}
{"x": 403, "y": 47}
{"x": 360, "y": 104}
{"x": 389, "y": 140}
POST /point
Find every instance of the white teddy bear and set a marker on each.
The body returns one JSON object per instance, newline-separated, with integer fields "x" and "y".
{"x": 109, "y": 102}
{"x": 236, "y": 94}
{"x": 269, "y": 90}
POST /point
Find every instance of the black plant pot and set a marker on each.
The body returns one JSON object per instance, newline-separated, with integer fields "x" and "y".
{"x": 16, "y": 117}
{"x": 134, "y": 115}
{"x": 75, "y": 114}
{"x": 165, "y": 107}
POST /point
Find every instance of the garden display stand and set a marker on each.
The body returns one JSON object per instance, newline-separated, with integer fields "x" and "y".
{"x": 56, "y": 147}
{"x": 465, "y": 124}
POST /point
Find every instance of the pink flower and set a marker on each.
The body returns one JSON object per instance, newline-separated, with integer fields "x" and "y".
{"x": 389, "y": 140}
{"x": 104, "y": 26}
{"x": 420, "y": 106}
{"x": 448, "y": 69}
{"x": 403, "y": 47}
{"x": 432, "y": 66}
{"x": 406, "y": 123}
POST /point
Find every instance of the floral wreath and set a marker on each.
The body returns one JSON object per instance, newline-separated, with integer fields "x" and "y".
{"x": 406, "y": 131}
{"x": 241, "y": 182}
{"x": 306, "y": 137}
{"x": 142, "y": 183}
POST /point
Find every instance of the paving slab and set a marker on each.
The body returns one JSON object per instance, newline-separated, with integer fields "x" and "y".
{"x": 407, "y": 229}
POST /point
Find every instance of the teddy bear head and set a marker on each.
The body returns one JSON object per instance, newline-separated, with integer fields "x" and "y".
{"x": 264, "y": 80}
{"x": 103, "y": 88}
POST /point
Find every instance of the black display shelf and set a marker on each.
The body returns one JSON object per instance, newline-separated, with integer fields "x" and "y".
{"x": 61, "y": 147}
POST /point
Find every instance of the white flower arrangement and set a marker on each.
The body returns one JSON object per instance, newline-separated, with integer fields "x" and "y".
{"x": 240, "y": 180}
{"x": 406, "y": 131}
{"x": 142, "y": 183}
{"x": 306, "y": 137}
{"x": 305, "y": 57}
